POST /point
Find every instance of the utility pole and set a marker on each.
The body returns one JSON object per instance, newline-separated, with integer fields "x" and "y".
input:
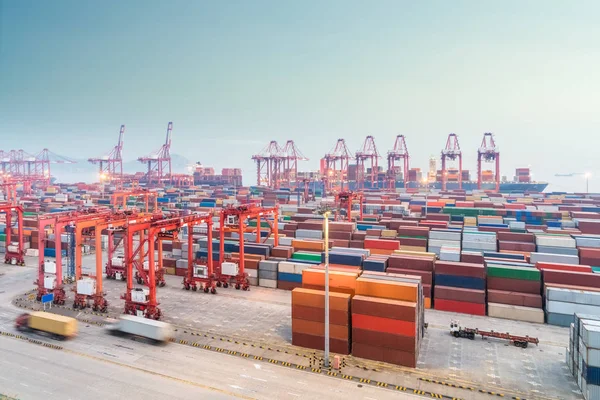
{"x": 326, "y": 212}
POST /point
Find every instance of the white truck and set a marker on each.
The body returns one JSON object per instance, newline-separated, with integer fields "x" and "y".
{"x": 157, "y": 331}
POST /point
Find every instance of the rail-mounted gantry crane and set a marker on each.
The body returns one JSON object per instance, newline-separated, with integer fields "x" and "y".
{"x": 367, "y": 154}
{"x": 451, "y": 152}
{"x": 488, "y": 152}
{"x": 345, "y": 201}
{"x": 399, "y": 152}
{"x": 122, "y": 196}
{"x": 233, "y": 219}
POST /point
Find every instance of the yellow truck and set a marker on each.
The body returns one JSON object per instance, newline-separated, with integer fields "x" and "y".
{"x": 56, "y": 325}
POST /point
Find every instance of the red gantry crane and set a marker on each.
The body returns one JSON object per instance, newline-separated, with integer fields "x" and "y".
{"x": 335, "y": 174}
{"x": 122, "y": 196}
{"x": 451, "y": 152}
{"x": 15, "y": 252}
{"x": 233, "y": 219}
{"x": 290, "y": 156}
{"x": 399, "y": 152}
{"x": 368, "y": 152}
{"x": 110, "y": 166}
{"x": 159, "y": 162}
{"x": 268, "y": 165}
{"x": 488, "y": 152}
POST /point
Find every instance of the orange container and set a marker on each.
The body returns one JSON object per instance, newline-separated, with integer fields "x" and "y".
{"x": 337, "y": 279}
{"x": 318, "y": 329}
{"x": 381, "y": 252}
{"x": 314, "y": 245}
{"x": 316, "y": 299}
{"x": 427, "y": 303}
{"x": 387, "y": 289}
{"x": 387, "y": 325}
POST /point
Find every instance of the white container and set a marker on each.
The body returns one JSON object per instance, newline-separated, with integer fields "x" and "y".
{"x": 49, "y": 282}
{"x": 591, "y": 356}
{"x": 181, "y": 263}
{"x": 517, "y": 313}
{"x": 144, "y": 327}
{"x": 139, "y": 295}
{"x": 229, "y": 268}
{"x": 445, "y": 236}
{"x": 555, "y": 241}
{"x": 591, "y": 336}
{"x": 178, "y": 252}
{"x": 201, "y": 271}
{"x": 32, "y": 253}
{"x": 146, "y": 265}
{"x": 118, "y": 261}
{"x": 268, "y": 283}
{"x": 12, "y": 248}
{"x": 50, "y": 267}
{"x": 554, "y": 258}
{"x": 86, "y": 286}
{"x": 287, "y": 267}
{"x": 252, "y": 273}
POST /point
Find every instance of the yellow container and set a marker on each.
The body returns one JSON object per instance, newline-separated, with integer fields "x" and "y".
{"x": 53, "y": 323}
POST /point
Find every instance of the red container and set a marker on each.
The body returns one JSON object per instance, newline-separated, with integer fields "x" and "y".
{"x": 340, "y": 235}
{"x": 471, "y": 258}
{"x": 410, "y": 262}
{"x": 517, "y": 246}
{"x": 416, "y": 242}
{"x": 388, "y": 340}
{"x": 584, "y": 279}
{"x": 426, "y": 290}
{"x": 459, "y": 307}
{"x": 514, "y": 285}
{"x": 284, "y": 285}
{"x": 562, "y": 267}
{"x": 336, "y": 317}
{"x": 589, "y": 227}
{"x": 426, "y": 276}
{"x": 382, "y": 244}
{"x": 384, "y": 354}
{"x": 459, "y": 294}
{"x": 514, "y": 298}
{"x": 318, "y": 343}
{"x": 356, "y": 244}
{"x": 589, "y": 253}
{"x": 388, "y": 325}
{"x": 460, "y": 269}
{"x": 384, "y": 308}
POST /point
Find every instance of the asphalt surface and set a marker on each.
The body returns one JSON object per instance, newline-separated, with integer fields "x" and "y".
{"x": 96, "y": 365}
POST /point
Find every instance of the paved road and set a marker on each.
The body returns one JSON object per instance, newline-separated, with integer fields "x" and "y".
{"x": 99, "y": 366}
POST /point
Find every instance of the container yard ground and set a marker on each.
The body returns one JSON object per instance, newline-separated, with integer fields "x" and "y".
{"x": 260, "y": 322}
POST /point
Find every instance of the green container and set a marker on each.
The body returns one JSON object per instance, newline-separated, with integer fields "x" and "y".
{"x": 523, "y": 273}
{"x": 412, "y": 237}
{"x": 287, "y": 218}
{"x": 306, "y": 256}
{"x": 263, "y": 224}
{"x": 469, "y": 212}
{"x": 29, "y": 214}
{"x": 2, "y": 237}
{"x": 596, "y": 270}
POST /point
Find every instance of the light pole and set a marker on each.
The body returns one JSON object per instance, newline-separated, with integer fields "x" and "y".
{"x": 587, "y": 182}
{"x": 326, "y": 229}
{"x": 426, "y": 182}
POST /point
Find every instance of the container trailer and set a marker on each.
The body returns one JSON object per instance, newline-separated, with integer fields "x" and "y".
{"x": 157, "y": 331}
{"x": 520, "y": 341}
{"x": 58, "y": 326}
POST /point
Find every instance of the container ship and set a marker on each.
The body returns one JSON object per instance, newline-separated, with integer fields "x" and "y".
{"x": 206, "y": 176}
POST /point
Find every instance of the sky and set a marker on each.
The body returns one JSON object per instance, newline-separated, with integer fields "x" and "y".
{"x": 234, "y": 75}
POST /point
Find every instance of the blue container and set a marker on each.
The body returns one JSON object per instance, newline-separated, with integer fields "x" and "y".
{"x": 51, "y": 252}
{"x": 507, "y": 256}
{"x": 162, "y": 199}
{"x": 555, "y": 319}
{"x": 287, "y": 277}
{"x": 591, "y": 374}
{"x": 374, "y": 265}
{"x": 204, "y": 254}
{"x": 465, "y": 282}
{"x": 263, "y": 250}
{"x": 355, "y": 260}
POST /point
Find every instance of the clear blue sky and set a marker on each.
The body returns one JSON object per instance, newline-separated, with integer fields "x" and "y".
{"x": 233, "y": 75}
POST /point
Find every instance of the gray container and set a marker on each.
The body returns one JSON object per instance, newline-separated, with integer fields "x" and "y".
{"x": 351, "y": 250}
{"x": 267, "y": 265}
{"x": 592, "y": 393}
{"x": 583, "y": 241}
{"x": 573, "y": 296}
{"x": 253, "y": 281}
{"x": 554, "y": 258}
{"x": 559, "y": 319}
{"x": 560, "y": 307}
{"x": 558, "y": 250}
{"x": 263, "y": 274}
{"x": 445, "y": 235}
{"x": 309, "y": 234}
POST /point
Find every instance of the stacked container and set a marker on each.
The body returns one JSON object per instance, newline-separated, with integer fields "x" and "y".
{"x": 513, "y": 292}
{"x": 479, "y": 241}
{"x": 421, "y": 265}
{"x": 583, "y": 354}
{"x": 460, "y": 287}
{"x": 441, "y": 237}
{"x": 562, "y": 304}
{"x": 308, "y": 320}
{"x": 387, "y": 319}
{"x": 289, "y": 275}
{"x": 267, "y": 273}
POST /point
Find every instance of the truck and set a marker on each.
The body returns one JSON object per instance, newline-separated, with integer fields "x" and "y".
{"x": 57, "y": 326}
{"x": 469, "y": 333}
{"x": 160, "y": 332}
